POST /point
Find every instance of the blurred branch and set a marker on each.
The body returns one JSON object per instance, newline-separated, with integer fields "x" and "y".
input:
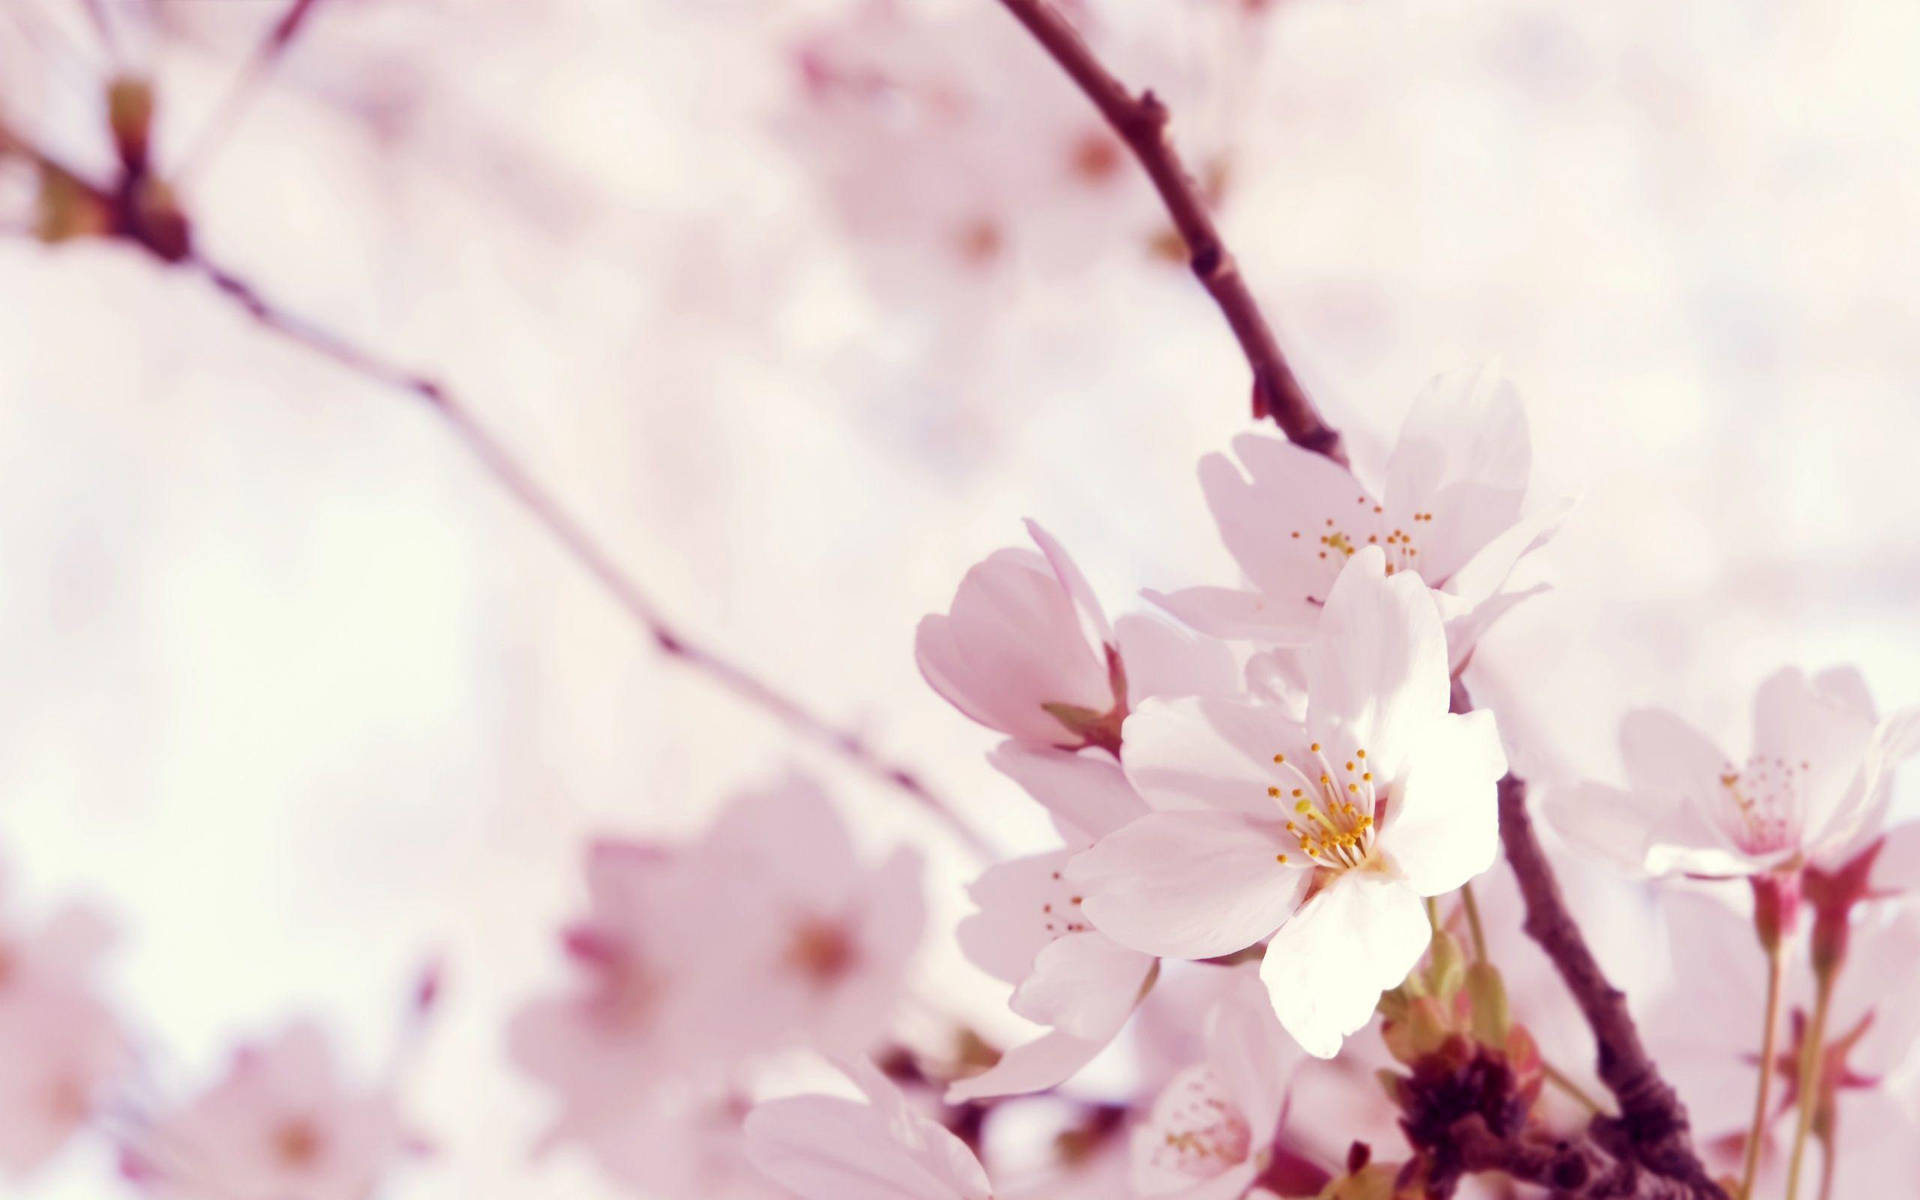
{"x": 136, "y": 210}
{"x": 226, "y": 115}
{"x": 500, "y": 464}
{"x": 1141, "y": 122}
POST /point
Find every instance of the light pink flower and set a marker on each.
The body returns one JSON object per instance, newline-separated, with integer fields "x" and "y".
{"x": 1026, "y": 650}
{"x": 1814, "y": 789}
{"x": 1030, "y": 932}
{"x": 1328, "y": 831}
{"x": 767, "y": 933}
{"x": 827, "y": 1148}
{"x": 1210, "y": 1133}
{"x": 60, "y": 1045}
{"x": 823, "y": 940}
{"x": 282, "y": 1125}
{"x": 1450, "y": 513}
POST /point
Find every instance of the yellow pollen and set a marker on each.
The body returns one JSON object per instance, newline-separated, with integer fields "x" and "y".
{"x": 1273, "y": 791}
{"x": 1279, "y": 858}
{"x": 1349, "y": 766}
{"x": 1315, "y": 747}
{"x": 1359, "y": 753}
{"x": 1299, "y": 791}
{"x": 1353, "y": 787}
{"x": 1367, "y": 775}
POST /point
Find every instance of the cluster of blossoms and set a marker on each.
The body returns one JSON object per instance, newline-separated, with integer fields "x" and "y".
{"x": 1273, "y": 801}
{"x": 281, "y": 1122}
{"x": 1287, "y": 789}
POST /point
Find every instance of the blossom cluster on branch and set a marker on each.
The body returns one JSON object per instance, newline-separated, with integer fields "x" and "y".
{"x": 1272, "y": 949}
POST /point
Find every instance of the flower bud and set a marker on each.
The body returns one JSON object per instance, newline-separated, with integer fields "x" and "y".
{"x": 1025, "y": 649}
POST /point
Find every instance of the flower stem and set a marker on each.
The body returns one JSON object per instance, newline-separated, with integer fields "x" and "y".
{"x": 1474, "y": 927}
{"x": 1811, "y": 1057}
{"x": 1561, "y": 1080}
{"x": 1769, "y": 1042}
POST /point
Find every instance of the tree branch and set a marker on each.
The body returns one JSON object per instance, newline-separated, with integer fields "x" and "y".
{"x": 1141, "y": 122}
{"x": 1570, "y": 1168}
{"x": 500, "y": 464}
{"x": 169, "y": 241}
{"x": 1652, "y": 1125}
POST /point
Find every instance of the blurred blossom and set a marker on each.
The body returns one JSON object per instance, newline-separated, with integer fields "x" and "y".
{"x": 766, "y": 933}
{"x": 282, "y": 1125}
{"x": 60, "y": 1045}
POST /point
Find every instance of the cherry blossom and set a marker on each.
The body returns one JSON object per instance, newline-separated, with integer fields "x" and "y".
{"x": 829, "y": 1148}
{"x": 766, "y": 933}
{"x": 1029, "y": 930}
{"x": 1323, "y": 834}
{"x": 1026, "y": 649}
{"x": 1450, "y": 513}
{"x": 282, "y": 1125}
{"x": 61, "y": 1045}
{"x": 1814, "y": 789}
{"x": 1209, "y": 1134}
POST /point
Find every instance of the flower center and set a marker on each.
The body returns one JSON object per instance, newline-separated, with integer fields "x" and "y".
{"x": 1340, "y": 540}
{"x": 1765, "y": 803}
{"x": 822, "y": 951}
{"x": 1205, "y": 1135}
{"x": 1331, "y": 808}
{"x": 297, "y": 1143}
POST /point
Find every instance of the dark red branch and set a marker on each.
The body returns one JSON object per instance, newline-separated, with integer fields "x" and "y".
{"x": 1652, "y": 1126}
{"x": 1141, "y": 122}
{"x": 1569, "y": 1168}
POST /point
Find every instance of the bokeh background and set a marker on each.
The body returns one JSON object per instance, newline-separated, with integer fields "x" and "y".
{"x": 292, "y": 692}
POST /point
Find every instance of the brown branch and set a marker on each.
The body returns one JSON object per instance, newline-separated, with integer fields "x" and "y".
{"x": 501, "y": 466}
{"x": 1652, "y": 1125}
{"x": 1141, "y": 122}
{"x": 1569, "y": 1168}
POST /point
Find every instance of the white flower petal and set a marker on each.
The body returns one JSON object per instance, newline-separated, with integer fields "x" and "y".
{"x": 1200, "y": 753}
{"x": 1188, "y": 884}
{"x": 1327, "y": 966}
{"x": 1444, "y": 827}
{"x": 1378, "y": 665}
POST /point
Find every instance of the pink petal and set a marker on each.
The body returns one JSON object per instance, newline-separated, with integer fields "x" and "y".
{"x": 1084, "y": 984}
{"x": 1188, "y": 884}
{"x": 1088, "y": 794}
{"x": 1046, "y": 1062}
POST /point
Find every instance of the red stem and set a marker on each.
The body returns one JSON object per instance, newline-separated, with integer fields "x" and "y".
{"x": 1141, "y": 122}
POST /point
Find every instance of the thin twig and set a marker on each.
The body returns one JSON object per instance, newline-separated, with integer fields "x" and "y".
{"x": 501, "y": 465}
{"x": 1141, "y": 122}
{"x": 226, "y": 114}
